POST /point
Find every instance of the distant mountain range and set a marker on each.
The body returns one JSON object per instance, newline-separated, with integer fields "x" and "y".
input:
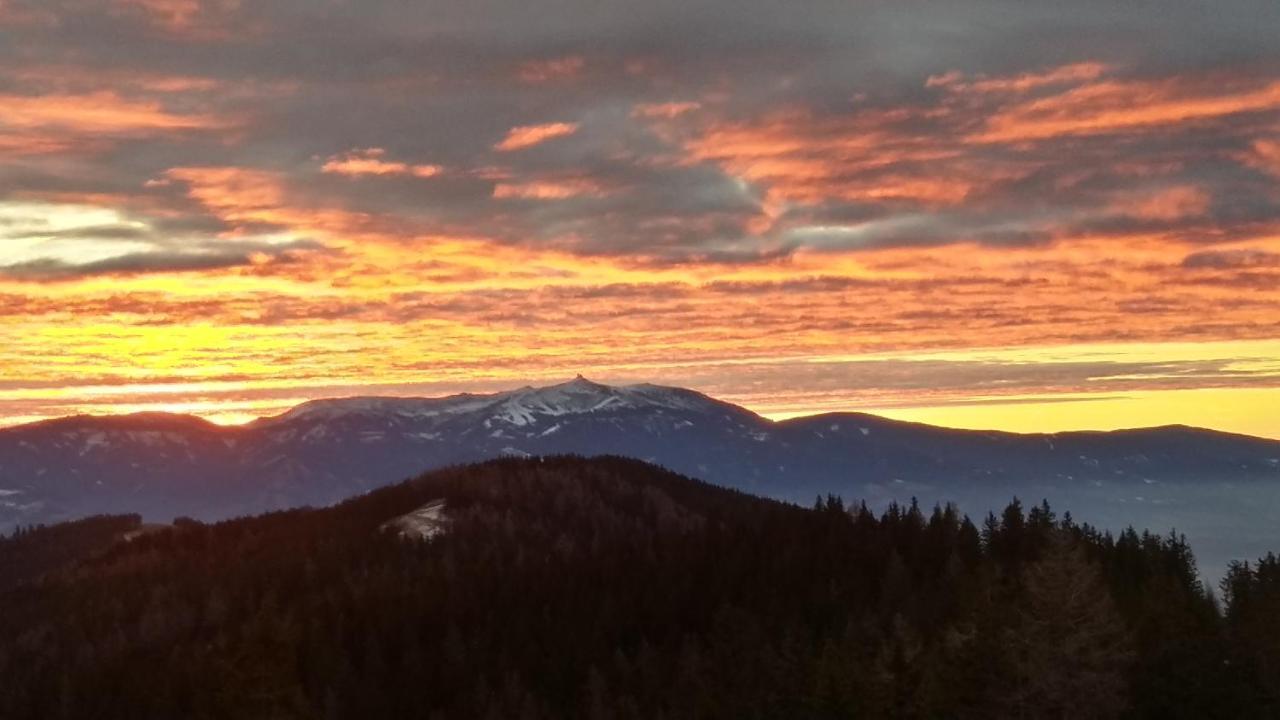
{"x": 1222, "y": 490}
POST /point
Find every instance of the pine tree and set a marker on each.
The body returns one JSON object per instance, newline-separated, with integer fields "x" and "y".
{"x": 1069, "y": 646}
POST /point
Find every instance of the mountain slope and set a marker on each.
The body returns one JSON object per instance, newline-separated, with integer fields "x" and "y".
{"x": 1221, "y": 489}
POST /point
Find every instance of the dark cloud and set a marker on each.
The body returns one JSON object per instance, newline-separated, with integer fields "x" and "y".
{"x": 132, "y": 264}
{"x": 1231, "y": 259}
{"x": 230, "y": 255}
{"x": 924, "y": 230}
{"x": 92, "y": 232}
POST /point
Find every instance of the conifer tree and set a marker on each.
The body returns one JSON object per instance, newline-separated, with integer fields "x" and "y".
{"x": 1069, "y": 646}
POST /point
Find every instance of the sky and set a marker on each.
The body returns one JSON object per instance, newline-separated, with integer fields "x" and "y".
{"x": 1031, "y": 216}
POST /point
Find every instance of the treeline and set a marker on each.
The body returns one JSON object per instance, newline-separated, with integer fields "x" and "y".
{"x": 31, "y": 552}
{"x": 609, "y": 588}
{"x": 1252, "y": 594}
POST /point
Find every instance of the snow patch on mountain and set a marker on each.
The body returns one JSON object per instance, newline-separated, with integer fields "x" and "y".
{"x": 581, "y": 396}
{"x": 424, "y": 523}
{"x": 94, "y": 440}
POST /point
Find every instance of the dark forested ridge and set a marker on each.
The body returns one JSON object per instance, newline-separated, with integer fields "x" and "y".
{"x": 608, "y": 588}
{"x": 32, "y": 552}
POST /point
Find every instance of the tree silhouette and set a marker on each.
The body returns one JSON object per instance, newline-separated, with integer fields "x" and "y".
{"x": 1069, "y": 645}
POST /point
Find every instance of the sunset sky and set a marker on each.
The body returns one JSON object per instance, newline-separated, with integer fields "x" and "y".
{"x": 1020, "y": 215}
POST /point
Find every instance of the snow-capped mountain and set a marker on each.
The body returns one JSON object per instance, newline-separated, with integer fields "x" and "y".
{"x": 517, "y": 407}
{"x": 1208, "y": 484}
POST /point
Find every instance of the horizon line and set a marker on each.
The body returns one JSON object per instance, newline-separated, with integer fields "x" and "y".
{"x": 244, "y": 420}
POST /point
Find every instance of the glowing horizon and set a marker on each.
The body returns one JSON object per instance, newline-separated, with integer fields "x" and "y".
{"x": 989, "y": 414}
{"x": 1126, "y": 405}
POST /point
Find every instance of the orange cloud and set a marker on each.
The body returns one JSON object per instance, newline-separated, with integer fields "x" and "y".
{"x": 540, "y": 71}
{"x": 547, "y": 189}
{"x": 173, "y": 13}
{"x": 370, "y": 162}
{"x": 1116, "y": 106}
{"x": 234, "y": 194}
{"x": 377, "y": 252}
{"x": 797, "y": 157}
{"x": 1265, "y": 156}
{"x": 17, "y": 144}
{"x": 956, "y": 81}
{"x": 99, "y": 112}
{"x": 245, "y": 198}
{"x": 85, "y": 124}
{"x": 193, "y": 19}
{"x": 664, "y": 110}
{"x": 930, "y": 157}
{"x": 525, "y": 136}
{"x": 1167, "y": 204}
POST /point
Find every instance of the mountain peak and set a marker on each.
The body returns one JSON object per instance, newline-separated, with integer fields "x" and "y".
{"x": 581, "y": 384}
{"x": 521, "y": 406}
{"x": 581, "y": 396}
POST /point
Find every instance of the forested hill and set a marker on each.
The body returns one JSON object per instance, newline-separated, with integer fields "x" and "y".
{"x": 608, "y": 588}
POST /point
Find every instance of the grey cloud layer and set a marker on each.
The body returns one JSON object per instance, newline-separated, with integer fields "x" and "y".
{"x": 440, "y": 83}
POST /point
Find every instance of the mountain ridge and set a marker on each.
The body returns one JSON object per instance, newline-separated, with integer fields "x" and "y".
{"x": 355, "y": 404}
{"x": 324, "y": 451}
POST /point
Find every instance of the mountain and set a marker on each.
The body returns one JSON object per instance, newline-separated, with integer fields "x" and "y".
{"x": 609, "y": 588}
{"x": 1222, "y": 490}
